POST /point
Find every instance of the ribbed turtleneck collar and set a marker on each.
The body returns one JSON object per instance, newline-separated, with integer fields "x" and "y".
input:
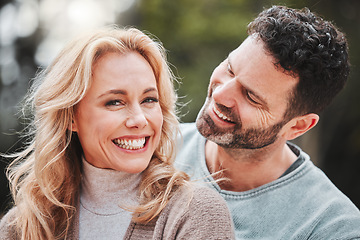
{"x": 103, "y": 191}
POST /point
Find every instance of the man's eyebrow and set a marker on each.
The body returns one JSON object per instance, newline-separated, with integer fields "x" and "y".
{"x": 246, "y": 87}
{"x": 228, "y": 60}
{"x": 124, "y": 92}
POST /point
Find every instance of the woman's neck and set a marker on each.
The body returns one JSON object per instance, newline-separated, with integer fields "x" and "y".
{"x": 106, "y": 191}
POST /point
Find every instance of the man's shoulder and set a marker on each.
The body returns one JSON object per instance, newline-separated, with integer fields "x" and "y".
{"x": 189, "y": 136}
{"x": 190, "y": 149}
{"x": 304, "y": 199}
{"x": 188, "y": 129}
{"x": 332, "y": 212}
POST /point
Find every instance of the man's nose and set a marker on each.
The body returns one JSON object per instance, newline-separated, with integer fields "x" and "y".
{"x": 136, "y": 118}
{"x": 224, "y": 93}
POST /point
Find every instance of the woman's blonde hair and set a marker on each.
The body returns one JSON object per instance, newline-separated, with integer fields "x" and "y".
{"x": 45, "y": 176}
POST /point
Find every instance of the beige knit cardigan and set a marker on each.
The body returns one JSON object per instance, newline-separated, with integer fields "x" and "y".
{"x": 206, "y": 216}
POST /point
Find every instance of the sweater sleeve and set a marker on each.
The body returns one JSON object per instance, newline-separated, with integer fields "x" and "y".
{"x": 206, "y": 216}
{"x": 6, "y": 229}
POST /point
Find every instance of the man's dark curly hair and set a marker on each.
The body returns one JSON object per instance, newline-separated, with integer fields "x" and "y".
{"x": 307, "y": 47}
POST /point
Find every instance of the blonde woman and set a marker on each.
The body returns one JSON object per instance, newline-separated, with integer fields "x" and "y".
{"x": 100, "y": 161}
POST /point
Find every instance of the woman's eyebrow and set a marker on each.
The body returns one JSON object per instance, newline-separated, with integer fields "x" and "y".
{"x": 150, "y": 89}
{"x": 124, "y": 92}
{"x": 114, "y": 91}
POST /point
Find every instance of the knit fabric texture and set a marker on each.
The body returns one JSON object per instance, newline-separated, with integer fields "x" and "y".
{"x": 104, "y": 194}
{"x": 302, "y": 204}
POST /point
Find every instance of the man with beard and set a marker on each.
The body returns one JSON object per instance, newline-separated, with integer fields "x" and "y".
{"x": 266, "y": 92}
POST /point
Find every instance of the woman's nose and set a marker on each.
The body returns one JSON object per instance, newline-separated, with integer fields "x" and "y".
{"x": 136, "y": 118}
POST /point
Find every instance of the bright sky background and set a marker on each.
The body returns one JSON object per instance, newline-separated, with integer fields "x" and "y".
{"x": 59, "y": 20}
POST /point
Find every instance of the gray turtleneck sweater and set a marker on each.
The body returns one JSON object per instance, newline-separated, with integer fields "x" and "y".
{"x": 103, "y": 194}
{"x": 100, "y": 216}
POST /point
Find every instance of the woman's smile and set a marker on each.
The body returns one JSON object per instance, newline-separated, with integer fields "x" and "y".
{"x": 131, "y": 144}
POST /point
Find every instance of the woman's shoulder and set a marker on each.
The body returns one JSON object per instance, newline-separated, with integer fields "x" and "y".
{"x": 204, "y": 193}
{"x": 200, "y": 212}
{"x": 200, "y": 195}
{"x": 6, "y": 225}
{"x": 201, "y": 198}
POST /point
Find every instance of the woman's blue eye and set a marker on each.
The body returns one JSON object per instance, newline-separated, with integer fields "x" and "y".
{"x": 151, "y": 100}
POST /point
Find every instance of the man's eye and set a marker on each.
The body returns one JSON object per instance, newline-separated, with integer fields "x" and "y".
{"x": 248, "y": 95}
{"x": 230, "y": 71}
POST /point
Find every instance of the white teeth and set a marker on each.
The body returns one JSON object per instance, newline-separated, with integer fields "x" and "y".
{"x": 131, "y": 143}
{"x": 220, "y": 115}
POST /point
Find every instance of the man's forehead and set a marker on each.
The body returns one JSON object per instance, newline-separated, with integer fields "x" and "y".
{"x": 257, "y": 46}
{"x": 258, "y": 72}
{"x": 249, "y": 43}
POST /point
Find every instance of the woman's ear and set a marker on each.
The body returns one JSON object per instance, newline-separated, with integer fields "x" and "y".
{"x": 300, "y": 125}
{"x": 73, "y": 126}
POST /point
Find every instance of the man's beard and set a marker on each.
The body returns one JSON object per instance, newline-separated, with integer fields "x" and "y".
{"x": 236, "y": 137}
